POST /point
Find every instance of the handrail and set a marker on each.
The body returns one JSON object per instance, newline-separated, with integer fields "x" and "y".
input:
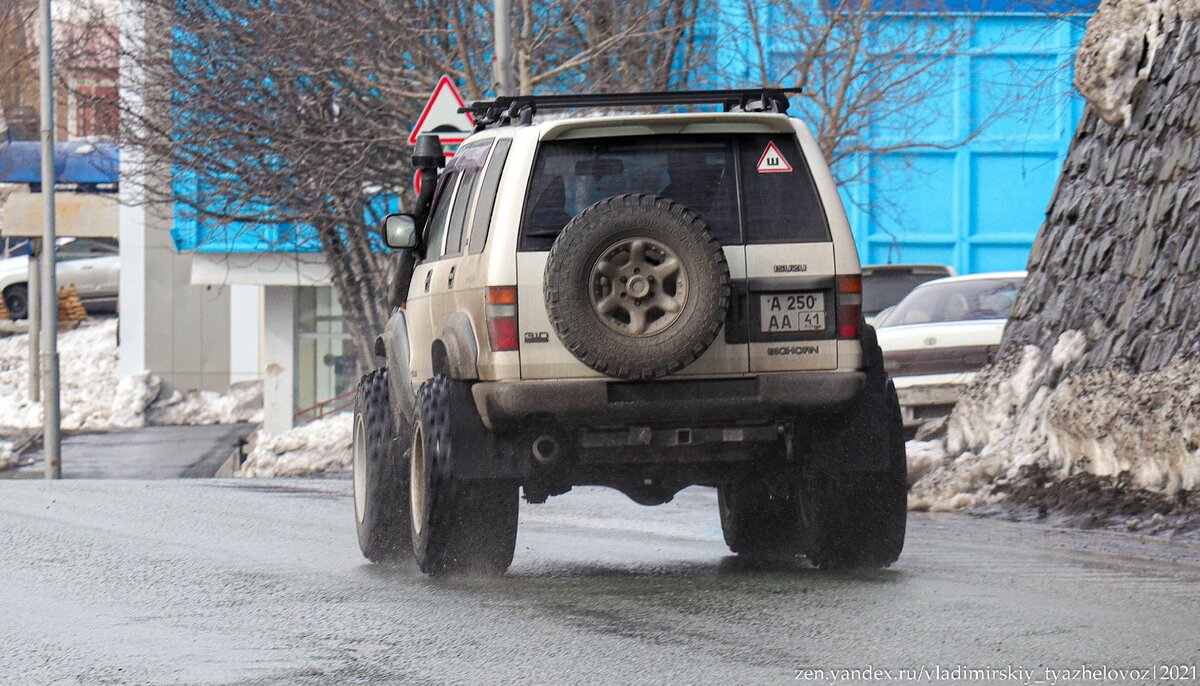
{"x": 337, "y": 403}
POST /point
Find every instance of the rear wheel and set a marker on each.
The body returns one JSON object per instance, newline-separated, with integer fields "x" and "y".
{"x": 16, "y": 300}
{"x": 459, "y": 526}
{"x": 380, "y": 474}
{"x": 856, "y": 518}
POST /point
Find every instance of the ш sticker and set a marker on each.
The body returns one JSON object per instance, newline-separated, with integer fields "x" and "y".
{"x": 773, "y": 161}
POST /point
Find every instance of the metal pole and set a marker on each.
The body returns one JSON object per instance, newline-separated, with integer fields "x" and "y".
{"x": 502, "y": 33}
{"x": 51, "y": 446}
{"x": 33, "y": 313}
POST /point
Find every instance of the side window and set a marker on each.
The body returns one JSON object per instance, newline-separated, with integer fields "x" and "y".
{"x": 439, "y": 217}
{"x": 780, "y": 201}
{"x": 458, "y": 214}
{"x": 83, "y": 248}
{"x": 488, "y": 188}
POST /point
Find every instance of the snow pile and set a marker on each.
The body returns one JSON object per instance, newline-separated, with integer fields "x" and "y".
{"x": 1123, "y": 37}
{"x": 1023, "y": 412}
{"x": 94, "y": 397}
{"x": 243, "y": 403}
{"x": 6, "y": 455}
{"x": 319, "y": 447}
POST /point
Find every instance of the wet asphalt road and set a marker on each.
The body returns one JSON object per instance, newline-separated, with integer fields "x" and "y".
{"x": 261, "y": 582}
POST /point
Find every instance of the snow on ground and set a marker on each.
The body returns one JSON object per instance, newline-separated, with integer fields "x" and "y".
{"x": 319, "y": 447}
{"x": 1026, "y": 413}
{"x": 95, "y": 398}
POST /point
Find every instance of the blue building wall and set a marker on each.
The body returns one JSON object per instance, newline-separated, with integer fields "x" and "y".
{"x": 968, "y": 184}
{"x": 976, "y": 205}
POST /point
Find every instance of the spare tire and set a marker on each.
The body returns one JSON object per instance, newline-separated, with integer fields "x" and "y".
{"x": 636, "y": 286}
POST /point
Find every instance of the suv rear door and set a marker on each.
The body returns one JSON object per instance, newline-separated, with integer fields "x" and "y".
{"x": 757, "y": 196}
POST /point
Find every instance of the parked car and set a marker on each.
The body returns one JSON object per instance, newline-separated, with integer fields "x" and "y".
{"x": 92, "y": 264}
{"x": 885, "y": 285}
{"x": 940, "y": 335}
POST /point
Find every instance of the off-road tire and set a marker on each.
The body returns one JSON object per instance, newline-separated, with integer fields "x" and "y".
{"x": 570, "y": 287}
{"x": 16, "y": 301}
{"x": 459, "y": 526}
{"x": 856, "y": 518}
{"x": 380, "y": 472}
{"x": 759, "y": 524}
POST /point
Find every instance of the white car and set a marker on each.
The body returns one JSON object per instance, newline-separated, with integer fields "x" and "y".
{"x": 941, "y": 335}
{"x": 93, "y": 265}
{"x": 885, "y": 285}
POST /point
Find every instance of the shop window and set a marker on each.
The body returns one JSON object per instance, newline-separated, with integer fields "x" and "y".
{"x": 325, "y": 364}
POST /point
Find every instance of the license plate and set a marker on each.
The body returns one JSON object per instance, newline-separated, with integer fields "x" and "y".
{"x": 792, "y": 312}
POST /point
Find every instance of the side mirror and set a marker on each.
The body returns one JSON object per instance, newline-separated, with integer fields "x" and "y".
{"x": 400, "y": 231}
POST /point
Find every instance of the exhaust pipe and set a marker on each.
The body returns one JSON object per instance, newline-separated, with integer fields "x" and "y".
{"x": 545, "y": 449}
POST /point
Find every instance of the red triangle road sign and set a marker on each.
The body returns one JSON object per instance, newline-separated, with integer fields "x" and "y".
{"x": 441, "y": 115}
{"x": 773, "y": 161}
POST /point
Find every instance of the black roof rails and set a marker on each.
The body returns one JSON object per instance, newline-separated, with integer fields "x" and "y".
{"x": 506, "y": 108}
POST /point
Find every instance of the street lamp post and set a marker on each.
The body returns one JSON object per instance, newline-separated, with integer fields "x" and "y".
{"x": 51, "y": 441}
{"x": 502, "y": 37}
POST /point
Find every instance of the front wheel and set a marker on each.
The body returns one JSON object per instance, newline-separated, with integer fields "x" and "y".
{"x": 459, "y": 525}
{"x": 380, "y": 475}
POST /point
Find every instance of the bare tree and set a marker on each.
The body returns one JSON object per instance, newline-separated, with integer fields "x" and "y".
{"x": 18, "y": 73}
{"x": 871, "y": 72}
{"x": 285, "y": 122}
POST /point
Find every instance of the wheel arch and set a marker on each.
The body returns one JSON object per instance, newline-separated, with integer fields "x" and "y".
{"x": 456, "y": 353}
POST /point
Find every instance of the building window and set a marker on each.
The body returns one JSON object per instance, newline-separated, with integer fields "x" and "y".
{"x": 325, "y": 364}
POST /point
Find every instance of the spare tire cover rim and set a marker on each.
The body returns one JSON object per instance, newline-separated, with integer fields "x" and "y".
{"x": 638, "y": 286}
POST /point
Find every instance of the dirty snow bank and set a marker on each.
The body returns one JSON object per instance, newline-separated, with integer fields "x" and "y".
{"x": 1123, "y": 38}
{"x": 1022, "y": 412}
{"x": 319, "y": 447}
{"x": 94, "y": 397}
{"x": 6, "y": 455}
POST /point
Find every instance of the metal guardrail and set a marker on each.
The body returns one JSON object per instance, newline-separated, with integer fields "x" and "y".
{"x": 341, "y": 401}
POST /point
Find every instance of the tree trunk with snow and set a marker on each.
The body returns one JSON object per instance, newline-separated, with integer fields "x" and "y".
{"x": 1099, "y": 372}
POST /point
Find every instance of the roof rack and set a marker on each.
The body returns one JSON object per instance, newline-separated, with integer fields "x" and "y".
{"x": 521, "y": 108}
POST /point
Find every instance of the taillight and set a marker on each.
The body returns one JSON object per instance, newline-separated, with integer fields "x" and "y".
{"x": 502, "y": 318}
{"x": 849, "y": 306}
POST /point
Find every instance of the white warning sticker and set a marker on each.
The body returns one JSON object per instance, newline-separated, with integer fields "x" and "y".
{"x": 773, "y": 161}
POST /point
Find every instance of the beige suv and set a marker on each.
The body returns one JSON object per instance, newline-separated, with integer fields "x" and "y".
{"x": 646, "y": 302}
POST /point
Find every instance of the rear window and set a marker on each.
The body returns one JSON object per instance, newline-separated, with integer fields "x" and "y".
{"x": 883, "y": 289}
{"x": 956, "y": 301}
{"x": 707, "y": 174}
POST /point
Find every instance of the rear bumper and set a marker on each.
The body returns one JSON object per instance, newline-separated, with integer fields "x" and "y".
{"x": 591, "y": 402}
{"x": 923, "y": 398}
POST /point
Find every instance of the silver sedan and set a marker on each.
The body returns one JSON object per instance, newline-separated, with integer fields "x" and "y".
{"x": 91, "y": 264}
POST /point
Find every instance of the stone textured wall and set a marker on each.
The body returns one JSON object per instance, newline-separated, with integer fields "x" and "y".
{"x": 1119, "y": 256}
{"x": 1098, "y": 380}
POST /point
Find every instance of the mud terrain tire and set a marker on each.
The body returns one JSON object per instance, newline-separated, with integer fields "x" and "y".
{"x": 459, "y": 526}
{"x": 857, "y": 518}
{"x": 636, "y": 286}
{"x": 380, "y": 472}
